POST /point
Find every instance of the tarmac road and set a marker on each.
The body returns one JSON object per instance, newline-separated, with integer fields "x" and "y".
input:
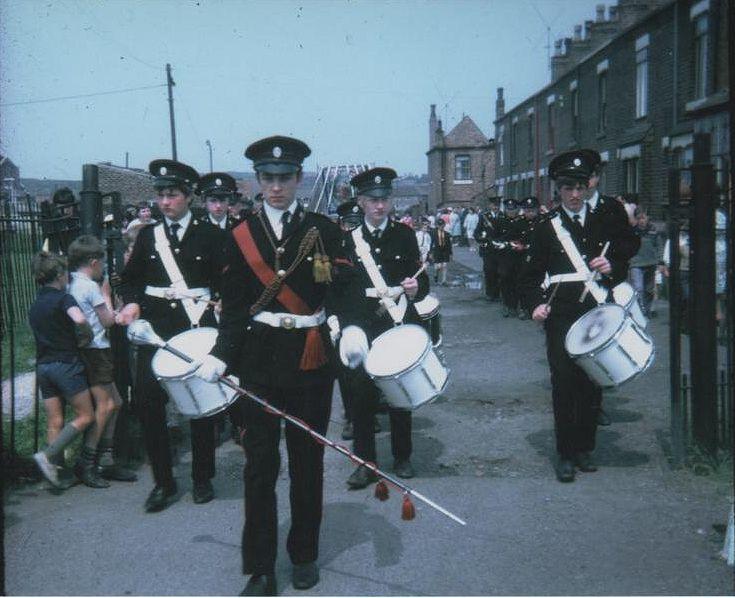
{"x": 482, "y": 451}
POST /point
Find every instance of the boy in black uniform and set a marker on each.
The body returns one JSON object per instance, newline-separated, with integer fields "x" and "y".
{"x": 395, "y": 251}
{"x": 217, "y": 189}
{"x": 526, "y": 227}
{"x": 273, "y": 335}
{"x": 156, "y": 284}
{"x": 510, "y": 259}
{"x": 574, "y": 394}
{"x": 485, "y": 234}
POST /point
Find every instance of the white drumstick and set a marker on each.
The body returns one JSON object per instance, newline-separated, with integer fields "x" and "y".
{"x": 583, "y": 296}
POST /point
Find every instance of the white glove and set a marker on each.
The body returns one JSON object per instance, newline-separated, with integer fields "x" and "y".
{"x": 353, "y": 347}
{"x": 210, "y": 368}
{"x": 333, "y": 323}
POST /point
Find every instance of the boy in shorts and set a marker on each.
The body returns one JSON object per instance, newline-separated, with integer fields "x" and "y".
{"x": 86, "y": 264}
{"x": 59, "y": 326}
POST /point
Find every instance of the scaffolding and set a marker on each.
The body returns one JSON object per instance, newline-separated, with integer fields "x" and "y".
{"x": 332, "y": 186}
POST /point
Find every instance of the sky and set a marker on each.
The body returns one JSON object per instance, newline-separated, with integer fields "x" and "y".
{"x": 354, "y": 79}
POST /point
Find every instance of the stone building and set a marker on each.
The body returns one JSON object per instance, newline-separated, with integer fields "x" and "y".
{"x": 635, "y": 86}
{"x": 461, "y": 164}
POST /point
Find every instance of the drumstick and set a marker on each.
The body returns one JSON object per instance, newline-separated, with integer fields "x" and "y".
{"x": 553, "y": 293}
{"x": 197, "y": 299}
{"x": 420, "y": 270}
{"x": 591, "y": 277}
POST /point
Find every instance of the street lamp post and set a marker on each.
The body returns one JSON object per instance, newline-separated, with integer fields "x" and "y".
{"x": 209, "y": 146}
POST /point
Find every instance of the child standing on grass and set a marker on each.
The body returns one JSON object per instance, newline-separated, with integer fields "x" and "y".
{"x": 59, "y": 326}
{"x": 86, "y": 264}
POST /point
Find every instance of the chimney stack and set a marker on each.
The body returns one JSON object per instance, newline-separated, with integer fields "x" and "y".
{"x": 499, "y": 105}
{"x": 600, "y": 13}
{"x": 557, "y": 48}
{"x": 578, "y": 33}
{"x": 567, "y": 46}
{"x": 613, "y": 12}
{"x": 432, "y": 126}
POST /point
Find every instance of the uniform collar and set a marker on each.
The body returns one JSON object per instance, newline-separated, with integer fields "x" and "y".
{"x": 222, "y": 223}
{"x": 582, "y": 213}
{"x": 183, "y": 221}
{"x": 381, "y": 227}
{"x": 594, "y": 200}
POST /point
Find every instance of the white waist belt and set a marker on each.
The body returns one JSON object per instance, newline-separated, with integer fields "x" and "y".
{"x": 172, "y": 293}
{"x": 290, "y": 321}
{"x": 391, "y": 292}
{"x": 570, "y": 277}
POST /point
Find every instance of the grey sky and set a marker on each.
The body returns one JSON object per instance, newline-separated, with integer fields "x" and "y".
{"x": 354, "y": 79}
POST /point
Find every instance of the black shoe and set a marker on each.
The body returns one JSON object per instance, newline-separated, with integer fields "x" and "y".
{"x": 376, "y": 425}
{"x": 506, "y": 312}
{"x": 260, "y": 585}
{"x": 523, "y": 315}
{"x": 305, "y": 575}
{"x": 348, "y": 432}
{"x": 202, "y": 492}
{"x": 361, "y": 478}
{"x": 584, "y": 462}
{"x": 603, "y": 419}
{"x": 160, "y": 498}
{"x": 87, "y": 473}
{"x": 565, "y": 470}
{"x": 403, "y": 468}
{"x": 116, "y": 472}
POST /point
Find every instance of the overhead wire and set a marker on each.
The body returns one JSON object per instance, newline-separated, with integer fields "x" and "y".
{"x": 83, "y": 95}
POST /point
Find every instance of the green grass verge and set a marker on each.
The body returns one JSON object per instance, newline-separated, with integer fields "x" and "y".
{"x": 24, "y": 348}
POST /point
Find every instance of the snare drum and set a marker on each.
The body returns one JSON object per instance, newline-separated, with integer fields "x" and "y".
{"x": 194, "y": 397}
{"x": 626, "y": 297}
{"x": 404, "y": 366}
{"x": 609, "y": 345}
{"x": 428, "y": 311}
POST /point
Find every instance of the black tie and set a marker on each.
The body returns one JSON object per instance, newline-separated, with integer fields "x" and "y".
{"x": 376, "y": 234}
{"x": 175, "y": 232}
{"x": 577, "y": 223}
{"x": 285, "y": 220}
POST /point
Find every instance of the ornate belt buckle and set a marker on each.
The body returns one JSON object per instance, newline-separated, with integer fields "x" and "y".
{"x": 288, "y": 322}
{"x": 169, "y": 294}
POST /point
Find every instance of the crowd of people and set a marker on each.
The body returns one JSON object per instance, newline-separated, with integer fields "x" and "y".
{"x": 298, "y": 300}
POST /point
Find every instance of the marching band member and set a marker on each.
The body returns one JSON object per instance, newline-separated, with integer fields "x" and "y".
{"x": 172, "y": 263}
{"x": 571, "y": 229}
{"x": 273, "y": 335}
{"x": 485, "y": 234}
{"x": 510, "y": 258}
{"x": 218, "y": 189}
{"x": 386, "y": 249}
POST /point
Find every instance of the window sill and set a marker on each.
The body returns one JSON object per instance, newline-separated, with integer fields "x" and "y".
{"x": 550, "y": 152}
{"x": 601, "y": 135}
{"x": 465, "y": 182}
{"x": 709, "y": 101}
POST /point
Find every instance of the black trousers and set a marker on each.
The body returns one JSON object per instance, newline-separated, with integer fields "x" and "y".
{"x": 152, "y": 408}
{"x": 491, "y": 270}
{"x": 365, "y": 400}
{"x": 509, "y": 267}
{"x": 305, "y": 469}
{"x": 575, "y": 396}
{"x": 342, "y": 380}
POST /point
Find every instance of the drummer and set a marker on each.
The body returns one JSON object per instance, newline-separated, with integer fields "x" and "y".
{"x": 281, "y": 266}
{"x": 574, "y": 395}
{"x": 217, "y": 189}
{"x": 194, "y": 252}
{"x": 393, "y": 248}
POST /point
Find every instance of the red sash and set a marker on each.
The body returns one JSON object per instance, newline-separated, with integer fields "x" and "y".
{"x": 314, "y": 355}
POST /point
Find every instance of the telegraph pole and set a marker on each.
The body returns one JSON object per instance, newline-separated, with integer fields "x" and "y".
{"x": 170, "y": 83}
{"x": 209, "y": 146}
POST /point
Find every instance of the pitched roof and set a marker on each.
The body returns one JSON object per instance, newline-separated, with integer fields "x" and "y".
{"x": 465, "y": 134}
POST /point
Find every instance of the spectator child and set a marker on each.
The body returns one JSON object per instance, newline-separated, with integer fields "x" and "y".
{"x": 59, "y": 326}
{"x": 86, "y": 263}
{"x": 643, "y": 264}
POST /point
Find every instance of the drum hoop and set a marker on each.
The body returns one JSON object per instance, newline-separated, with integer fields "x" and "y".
{"x": 433, "y": 313}
{"x": 609, "y": 341}
{"x": 187, "y": 374}
{"x": 410, "y": 368}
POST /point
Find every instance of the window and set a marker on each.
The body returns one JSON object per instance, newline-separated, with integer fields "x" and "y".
{"x": 531, "y": 133}
{"x": 462, "y": 168}
{"x": 574, "y": 105}
{"x": 602, "y": 102}
{"x": 683, "y": 158}
{"x": 641, "y": 77}
{"x": 514, "y": 143}
{"x": 701, "y": 37}
{"x": 550, "y": 121}
{"x": 501, "y": 144}
{"x": 630, "y": 175}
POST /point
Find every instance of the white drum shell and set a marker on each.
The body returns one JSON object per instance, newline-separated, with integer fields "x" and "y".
{"x": 415, "y": 385}
{"x": 626, "y": 297}
{"x": 194, "y": 397}
{"x": 618, "y": 359}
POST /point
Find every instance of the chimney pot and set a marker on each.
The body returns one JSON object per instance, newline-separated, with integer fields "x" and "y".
{"x": 500, "y": 93}
{"x": 600, "y": 13}
{"x": 557, "y": 47}
{"x": 577, "y": 33}
{"x": 567, "y": 45}
{"x": 613, "y": 12}
{"x": 588, "y": 28}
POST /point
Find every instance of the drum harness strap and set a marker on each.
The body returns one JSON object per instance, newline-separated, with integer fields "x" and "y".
{"x": 194, "y": 301}
{"x": 386, "y": 294}
{"x": 583, "y": 273}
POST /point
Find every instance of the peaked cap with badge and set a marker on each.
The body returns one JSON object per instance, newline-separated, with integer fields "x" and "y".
{"x": 218, "y": 184}
{"x": 170, "y": 173}
{"x": 349, "y": 208}
{"x": 277, "y": 154}
{"x": 577, "y": 165}
{"x": 510, "y": 204}
{"x": 375, "y": 182}
{"x": 530, "y": 203}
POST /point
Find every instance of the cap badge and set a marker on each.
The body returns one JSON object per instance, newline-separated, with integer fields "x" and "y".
{"x": 577, "y": 162}
{"x": 354, "y": 209}
{"x": 218, "y": 182}
{"x": 378, "y": 179}
{"x": 163, "y": 170}
{"x": 277, "y": 152}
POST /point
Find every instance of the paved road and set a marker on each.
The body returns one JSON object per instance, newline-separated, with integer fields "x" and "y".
{"x": 483, "y": 451}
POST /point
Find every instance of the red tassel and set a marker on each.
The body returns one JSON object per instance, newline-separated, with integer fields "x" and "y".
{"x": 381, "y": 490}
{"x": 314, "y": 355}
{"x": 408, "y": 511}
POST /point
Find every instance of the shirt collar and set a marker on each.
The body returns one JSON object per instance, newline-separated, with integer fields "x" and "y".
{"x": 592, "y": 201}
{"x": 222, "y": 223}
{"x": 78, "y": 274}
{"x": 582, "y": 213}
{"x": 275, "y": 214}
{"x": 381, "y": 227}
{"x": 183, "y": 221}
